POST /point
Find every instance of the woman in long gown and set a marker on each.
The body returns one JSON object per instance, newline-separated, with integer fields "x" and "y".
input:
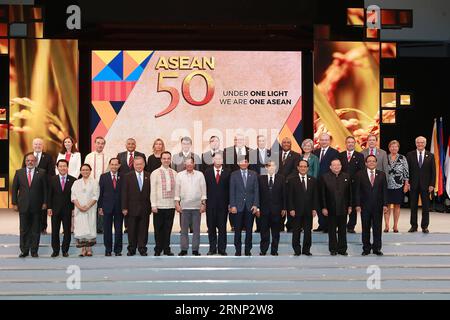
{"x": 85, "y": 192}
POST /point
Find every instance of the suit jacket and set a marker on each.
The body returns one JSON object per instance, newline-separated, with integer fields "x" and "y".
{"x": 303, "y": 202}
{"x": 382, "y": 160}
{"x": 45, "y": 162}
{"x": 30, "y": 198}
{"x": 230, "y": 157}
{"x": 371, "y": 199}
{"x": 336, "y": 193}
{"x": 218, "y": 194}
{"x": 135, "y": 201}
{"x": 272, "y": 201}
{"x": 207, "y": 160}
{"x": 178, "y": 161}
{"x": 421, "y": 178}
{"x": 289, "y": 167}
{"x": 244, "y": 197}
{"x": 110, "y": 199}
{"x": 259, "y": 164}
{"x": 122, "y": 156}
{"x": 330, "y": 155}
{"x": 58, "y": 200}
{"x": 356, "y": 163}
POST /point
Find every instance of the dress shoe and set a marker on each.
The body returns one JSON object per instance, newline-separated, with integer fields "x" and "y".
{"x": 319, "y": 229}
{"x": 223, "y": 253}
{"x": 365, "y": 253}
{"x": 65, "y": 254}
{"x": 248, "y": 254}
{"x": 290, "y": 231}
{"x": 107, "y": 254}
{"x": 309, "y": 254}
{"x": 125, "y": 231}
{"x": 44, "y": 232}
{"x": 182, "y": 253}
{"x": 232, "y": 229}
{"x": 412, "y": 229}
{"x": 237, "y": 254}
{"x": 378, "y": 253}
{"x": 118, "y": 254}
{"x": 35, "y": 255}
{"x": 425, "y": 230}
{"x": 211, "y": 253}
{"x": 169, "y": 254}
{"x": 196, "y": 253}
{"x": 157, "y": 254}
{"x": 326, "y": 230}
{"x": 257, "y": 231}
{"x": 343, "y": 254}
{"x": 351, "y": 231}
{"x": 274, "y": 253}
{"x": 333, "y": 253}
{"x": 386, "y": 230}
{"x": 262, "y": 253}
{"x": 130, "y": 254}
{"x": 23, "y": 255}
{"x": 54, "y": 254}
{"x": 143, "y": 254}
{"x": 297, "y": 254}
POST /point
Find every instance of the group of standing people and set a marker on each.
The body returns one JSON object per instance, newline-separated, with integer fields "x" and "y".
{"x": 280, "y": 189}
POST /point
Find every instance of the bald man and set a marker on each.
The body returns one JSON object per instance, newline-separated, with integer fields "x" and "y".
{"x": 43, "y": 161}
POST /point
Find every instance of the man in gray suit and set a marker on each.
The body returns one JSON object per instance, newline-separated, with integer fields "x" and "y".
{"x": 244, "y": 203}
{"x": 382, "y": 160}
{"x": 178, "y": 159}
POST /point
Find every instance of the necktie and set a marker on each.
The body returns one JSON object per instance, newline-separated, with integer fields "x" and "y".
{"x": 271, "y": 182}
{"x": 29, "y": 177}
{"x": 67, "y": 156}
{"x": 420, "y": 159}
{"x": 140, "y": 181}
{"x": 63, "y": 183}
{"x": 244, "y": 177}
{"x": 372, "y": 178}
{"x": 349, "y": 156}
{"x": 38, "y": 158}
{"x": 131, "y": 161}
{"x": 321, "y": 155}
{"x": 284, "y": 156}
{"x": 372, "y": 152}
{"x": 217, "y": 176}
{"x": 303, "y": 184}
{"x": 114, "y": 181}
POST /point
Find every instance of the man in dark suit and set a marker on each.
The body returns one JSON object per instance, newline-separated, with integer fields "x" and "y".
{"x": 217, "y": 180}
{"x": 288, "y": 161}
{"x": 272, "y": 197}
{"x": 303, "y": 204}
{"x": 29, "y": 198}
{"x": 136, "y": 205}
{"x": 422, "y": 179}
{"x": 126, "y": 159}
{"x": 109, "y": 206}
{"x": 208, "y": 156}
{"x": 260, "y": 156}
{"x": 336, "y": 203}
{"x": 325, "y": 154}
{"x": 43, "y": 161}
{"x": 352, "y": 162}
{"x": 60, "y": 207}
{"x": 178, "y": 159}
{"x": 244, "y": 203}
{"x": 371, "y": 202}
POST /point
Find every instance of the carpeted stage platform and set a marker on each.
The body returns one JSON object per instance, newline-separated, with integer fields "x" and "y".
{"x": 415, "y": 266}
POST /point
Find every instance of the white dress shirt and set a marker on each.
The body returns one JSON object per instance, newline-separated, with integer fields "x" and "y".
{"x": 99, "y": 163}
{"x": 190, "y": 189}
{"x": 306, "y": 180}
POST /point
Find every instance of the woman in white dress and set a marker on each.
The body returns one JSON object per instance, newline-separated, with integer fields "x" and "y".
{"x": 85, "y": 192}
{"x": 70, "y": 153}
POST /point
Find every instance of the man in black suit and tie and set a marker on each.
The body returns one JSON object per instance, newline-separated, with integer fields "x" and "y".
{"x": 371, "y": 202}
{"x": 231, "y": 154}
{"x": 272, "y": 195}
{"x": 303, "y": 204}
{"x": 335, "y": 195}
{"x": 60, "y": 207}
{"x": 109, "y": 206}
{"x": 352, "y": 162}
{"x": 43, "y": 161}
{"x": 325, "y": 154}
{"x": 126, "y": 159}
{"x": 29, "y": 198}
{"x": 422, "y": 179}
{"x": 208, "y": 156}
{"x": 136, "y": 205}
{"x": 260, "y": 156}
{"x": 217, "y": 180}
{"x": 288, "y": 161}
